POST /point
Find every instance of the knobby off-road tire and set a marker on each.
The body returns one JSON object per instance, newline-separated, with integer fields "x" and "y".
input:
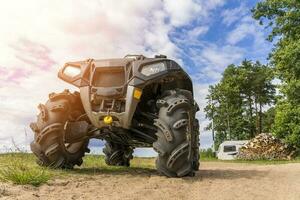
{"x": 48, "y": 144}
{"x": 177, "y": 135}
{"x": 117, "y": 154}
{"x": 196, "y": 144}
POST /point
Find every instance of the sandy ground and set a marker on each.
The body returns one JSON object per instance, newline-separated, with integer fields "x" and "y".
{"x": 215, "y": 180}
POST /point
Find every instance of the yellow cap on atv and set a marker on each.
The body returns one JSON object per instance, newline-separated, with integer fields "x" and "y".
{"x": 137, "y": 93}
{"x": 108, "y": 120}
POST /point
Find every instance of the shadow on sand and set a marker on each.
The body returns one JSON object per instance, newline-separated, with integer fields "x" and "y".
{"x": 133, "y": 171}
{"x": 225, "y": 174}
{"x": 202, "y": 174}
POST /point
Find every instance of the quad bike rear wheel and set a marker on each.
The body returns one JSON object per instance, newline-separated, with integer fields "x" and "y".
{"x": 177, "y": 135}
{"x": 117, "y": 154}
{"x": 49, "y": 145}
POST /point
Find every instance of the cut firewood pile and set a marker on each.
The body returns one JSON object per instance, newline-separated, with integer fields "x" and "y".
{"x": 266, "y": 147}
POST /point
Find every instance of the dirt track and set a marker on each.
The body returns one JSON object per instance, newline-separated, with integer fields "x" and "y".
{"x": 214, "y": 181}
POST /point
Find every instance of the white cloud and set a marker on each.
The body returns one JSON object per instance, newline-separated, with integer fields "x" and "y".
{"x": 211, "y": 4}
{"x": 194, "y": 33}
{"x": 247, "y": 27}
{"x": 214, "y": 59}
{"x": 182, "y": 11}
{"x": 206, "y": 140}
{"x": 231, "y": 16}
{"x": 200, "y": 93}
{"x": 221, "y": 56}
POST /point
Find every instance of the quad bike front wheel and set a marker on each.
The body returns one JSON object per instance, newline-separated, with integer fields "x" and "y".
{"x": 178, "y": 134}
{"x": 117, "y": 154}
{"x": 49, "y": 145}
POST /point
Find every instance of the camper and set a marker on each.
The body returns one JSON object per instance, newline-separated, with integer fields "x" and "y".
{"x": 229, "y": 149}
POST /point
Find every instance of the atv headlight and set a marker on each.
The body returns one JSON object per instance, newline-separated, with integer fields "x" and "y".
{"x": 154, "y": 68}
{"x": 72, "y": 71}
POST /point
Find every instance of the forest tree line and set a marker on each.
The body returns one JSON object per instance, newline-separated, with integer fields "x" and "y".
{"x": 245, "y": 101}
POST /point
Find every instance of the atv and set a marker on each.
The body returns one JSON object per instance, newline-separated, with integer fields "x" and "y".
{"x": 130, "y": 102}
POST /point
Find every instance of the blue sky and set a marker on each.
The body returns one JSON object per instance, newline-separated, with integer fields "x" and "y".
{"x": 204, "y": 36}
{"x": 228, "y": 35}
{"x": 230, "y": 32}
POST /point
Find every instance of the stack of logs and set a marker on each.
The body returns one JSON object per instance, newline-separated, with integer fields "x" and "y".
{"x": 266, "y": 147}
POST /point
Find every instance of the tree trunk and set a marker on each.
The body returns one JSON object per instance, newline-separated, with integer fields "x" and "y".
{"x": 228, "y": 126}
{"x": 228, "y": 122}
{"x": 250, "y": 117}
{"x": 256, "y": 118}
{"x": 260, "y": 118}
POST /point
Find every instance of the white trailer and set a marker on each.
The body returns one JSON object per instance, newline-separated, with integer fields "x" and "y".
{"x": 229, "y": 149}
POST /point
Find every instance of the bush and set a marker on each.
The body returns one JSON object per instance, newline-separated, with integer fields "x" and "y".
{"x": 207, "y": 154}
{"x": 287, "y": 123}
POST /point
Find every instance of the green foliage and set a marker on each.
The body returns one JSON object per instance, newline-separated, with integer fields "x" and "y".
{"x": 236, "y": 103}
{"x": 268, "y": 120}
{"x": 207, "y": 154}
{"x": 287, "y": 122}
{"x": 282, "y": 17}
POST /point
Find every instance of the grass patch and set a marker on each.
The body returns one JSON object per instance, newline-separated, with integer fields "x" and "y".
{"x": 18, "y": 168}
{"x": 207, "y": 155}
{"x": 21, "y": 168}
{"x": 99, "y": 162}
{"x": 208, "y": 159}
{"x": 95, "y": 164}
